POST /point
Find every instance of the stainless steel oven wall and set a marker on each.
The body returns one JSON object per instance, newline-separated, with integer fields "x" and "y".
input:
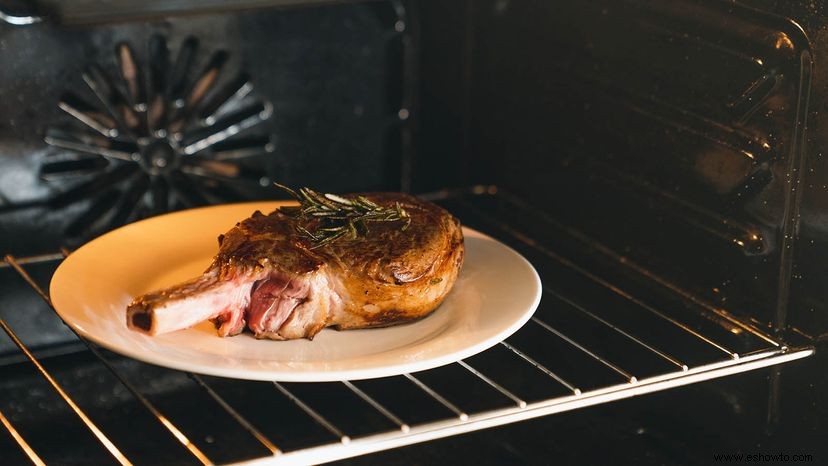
{"x": 332, "y": 75}
{"x": 674, "y": 139}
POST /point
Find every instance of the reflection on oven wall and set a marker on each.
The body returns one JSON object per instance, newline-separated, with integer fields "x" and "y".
{"x": 680, "y": 135}
{"x": 306, "y": 96}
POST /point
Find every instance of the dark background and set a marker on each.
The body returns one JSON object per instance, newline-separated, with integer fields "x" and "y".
{"x": 684, "y": 135}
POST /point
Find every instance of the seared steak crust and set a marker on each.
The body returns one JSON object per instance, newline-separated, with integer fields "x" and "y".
{"x": 267, "y": 277}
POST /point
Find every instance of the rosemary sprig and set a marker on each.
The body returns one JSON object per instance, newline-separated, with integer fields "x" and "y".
{"x": 336, "y": 217}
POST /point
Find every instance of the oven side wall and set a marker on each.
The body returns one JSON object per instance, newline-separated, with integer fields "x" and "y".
{"x": 673, "y": 139}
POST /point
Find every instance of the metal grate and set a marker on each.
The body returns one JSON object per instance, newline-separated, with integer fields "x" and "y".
{"x": 591, "y": 341}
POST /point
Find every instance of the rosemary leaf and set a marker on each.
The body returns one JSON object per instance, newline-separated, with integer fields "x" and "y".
{"x": 324, "y": 218}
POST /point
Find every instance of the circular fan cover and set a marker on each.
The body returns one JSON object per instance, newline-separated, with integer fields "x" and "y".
{"x": 156, "y": 138}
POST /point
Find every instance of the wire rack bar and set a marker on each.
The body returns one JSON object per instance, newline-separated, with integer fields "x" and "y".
{"x": 678, "y": 324}
{"x": 631, "y": 378}
{"x": 596, "y": 279}
{"x": 440, "y": 429}
{"x": 344, "y": 439}
{"x": 641, "y": 270}
{"x": 440, "y": 398}
{"x": 34, "y": 259}
{"x": 520, "y": 403}
{"x": 163, "y": 420}
{"x": 541, "y": 367}
{"x": 11, "y": 261}
{"x": 97, "y": 432}
{"x": 238, "y": 417}
{"x": 377, "y": 405}
{"x": 28, "y": 450}
{"x": 626, "y": 334}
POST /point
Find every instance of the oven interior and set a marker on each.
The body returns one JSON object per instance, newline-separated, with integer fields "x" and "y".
{"x": 657, "y": 162}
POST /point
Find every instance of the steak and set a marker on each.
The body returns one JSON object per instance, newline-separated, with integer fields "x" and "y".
{"x": 270, "y": 279}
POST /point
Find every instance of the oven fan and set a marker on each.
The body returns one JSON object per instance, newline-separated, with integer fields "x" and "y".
{"x": 157, "y": 140}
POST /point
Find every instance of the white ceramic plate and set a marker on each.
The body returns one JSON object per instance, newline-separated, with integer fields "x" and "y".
{"x": 496, "y": 293}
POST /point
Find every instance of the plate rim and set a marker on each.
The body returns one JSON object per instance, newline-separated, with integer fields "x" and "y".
{"x": 297, "y": 376}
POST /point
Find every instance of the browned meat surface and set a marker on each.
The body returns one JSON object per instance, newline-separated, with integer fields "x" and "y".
{"x": 267, "y": 278}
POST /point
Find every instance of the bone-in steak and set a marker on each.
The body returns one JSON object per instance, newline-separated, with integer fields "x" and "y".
{"x": 268, "y": 278}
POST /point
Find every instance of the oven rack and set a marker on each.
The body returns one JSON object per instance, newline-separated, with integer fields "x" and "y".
{"x": 593, "y": 340}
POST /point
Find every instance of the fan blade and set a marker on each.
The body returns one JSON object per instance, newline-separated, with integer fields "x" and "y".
{"x": 72, "y": 168}
{"x": 93, "y": 186}
{"x": 227, "y": 127}
{"x": 88, "y": 115}
{"x": 96, "y": 211}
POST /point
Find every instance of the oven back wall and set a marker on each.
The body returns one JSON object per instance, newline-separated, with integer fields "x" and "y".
{"x": 330, "y": 74}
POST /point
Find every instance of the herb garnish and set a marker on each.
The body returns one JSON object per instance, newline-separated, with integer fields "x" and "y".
{"x": 334, "y": 217}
